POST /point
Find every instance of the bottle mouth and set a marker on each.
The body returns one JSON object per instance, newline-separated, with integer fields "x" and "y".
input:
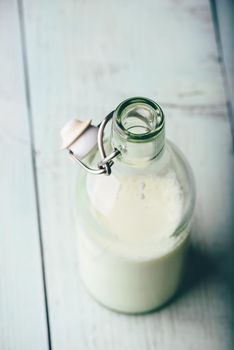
{"x": 139, "y": 119}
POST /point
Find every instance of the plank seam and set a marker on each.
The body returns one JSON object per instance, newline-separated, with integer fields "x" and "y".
{"x": 222, "y": 66}
{"x": 33, "y": 158}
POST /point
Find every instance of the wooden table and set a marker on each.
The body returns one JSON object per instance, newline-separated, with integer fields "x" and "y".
{"x": 63, "y": 59}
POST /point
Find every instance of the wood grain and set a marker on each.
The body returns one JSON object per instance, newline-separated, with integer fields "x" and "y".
{"x": 84, "y": 58}
{"x": 223, "y": 14}
{"x": 22, "y": 312}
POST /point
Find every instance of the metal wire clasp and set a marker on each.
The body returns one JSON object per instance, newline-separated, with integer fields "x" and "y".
{"x": 104, "y": 166}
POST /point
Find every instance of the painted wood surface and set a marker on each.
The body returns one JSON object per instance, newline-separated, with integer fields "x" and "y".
{"x": 22, "y": 310}
{"x": 82, "y": 59}
{"x": 223, "y": 13}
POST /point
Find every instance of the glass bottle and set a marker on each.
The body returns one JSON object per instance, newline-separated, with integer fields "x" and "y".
{"x": 134, "y": 225}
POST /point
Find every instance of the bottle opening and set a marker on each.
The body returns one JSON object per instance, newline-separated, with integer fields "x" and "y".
{"x": 139, "y": 118}
{"x": 138, "y": 130}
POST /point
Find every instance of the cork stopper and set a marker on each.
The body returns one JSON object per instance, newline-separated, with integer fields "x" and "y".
{"x": 80, "y": 137}
{"x": 72, "y": 130}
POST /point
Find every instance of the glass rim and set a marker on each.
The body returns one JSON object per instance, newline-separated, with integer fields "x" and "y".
{"x": 143, "y": 137}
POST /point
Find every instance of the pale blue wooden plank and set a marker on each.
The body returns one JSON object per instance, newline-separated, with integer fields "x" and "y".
{"x": 223, "y": 11}
{"x": 22, "y": 309}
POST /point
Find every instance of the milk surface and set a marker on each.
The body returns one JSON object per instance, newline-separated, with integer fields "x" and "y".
{"x": 135, "y": 264}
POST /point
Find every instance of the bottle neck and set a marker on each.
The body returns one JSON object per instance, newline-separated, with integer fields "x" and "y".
{"x": 138, "y": 131}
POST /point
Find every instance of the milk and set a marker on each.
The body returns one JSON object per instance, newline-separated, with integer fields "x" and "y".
{"x": 135, "y": 264}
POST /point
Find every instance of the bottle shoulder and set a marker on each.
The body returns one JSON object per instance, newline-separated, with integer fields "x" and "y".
{"x": 178, "y": 162}
{"x": 171, "y": 163}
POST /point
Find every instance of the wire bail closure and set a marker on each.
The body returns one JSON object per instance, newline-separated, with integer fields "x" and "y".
{"x": 104, "y": 166}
